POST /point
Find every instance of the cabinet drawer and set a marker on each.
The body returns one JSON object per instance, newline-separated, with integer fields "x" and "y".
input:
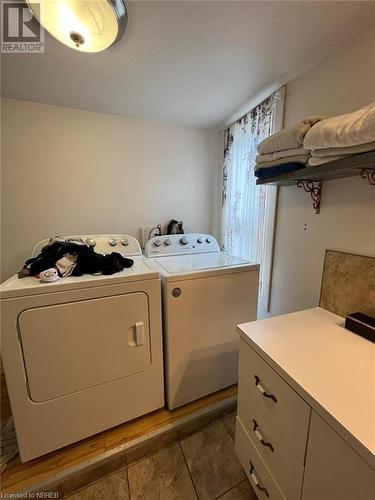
{"x": 259, "y": 476}
{"x": 270, "y": 394}
{"x": 280, "y": 415}
{"x": 282, "y": 445}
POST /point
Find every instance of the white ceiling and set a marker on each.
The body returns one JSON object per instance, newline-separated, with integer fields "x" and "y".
{"x": 191, "y": 63}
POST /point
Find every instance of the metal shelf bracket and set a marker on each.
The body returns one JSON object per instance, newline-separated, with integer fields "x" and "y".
{"x": 369, "y": 174}
{"x": 315, "y": 190}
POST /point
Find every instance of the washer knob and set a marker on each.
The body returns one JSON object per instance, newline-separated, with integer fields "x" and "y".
{"x": 90, "y": 242}
{"x": 200, "y": 239}
{"x": 125, "y": 242}
{"x": 167, "y": 242}
{"x": 208, "y": 240}
{"x": 157, "y": 243}
{"x": 184, "y": 240}
{"x": 112, "y": 242}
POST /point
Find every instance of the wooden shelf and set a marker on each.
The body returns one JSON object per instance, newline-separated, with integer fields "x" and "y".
{"x": 311, "y": 178}
{"x": 345, "y": 167}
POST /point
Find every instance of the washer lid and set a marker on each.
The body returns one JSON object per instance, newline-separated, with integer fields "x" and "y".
{"x": 195, "y": 262}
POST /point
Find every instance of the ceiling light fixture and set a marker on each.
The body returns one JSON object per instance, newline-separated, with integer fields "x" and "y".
{"x": 84, "y": 25}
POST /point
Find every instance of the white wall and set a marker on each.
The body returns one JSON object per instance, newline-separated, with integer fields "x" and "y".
{"x": 70, "y": 171}
{"x": 341, "y": 83}
{"x": 66, "y": 171}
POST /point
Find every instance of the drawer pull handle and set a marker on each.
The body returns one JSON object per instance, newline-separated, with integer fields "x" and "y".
{"x": 255, "y": 480}
{"x": 260, "y": 436}
{"x": 263, "y": 391}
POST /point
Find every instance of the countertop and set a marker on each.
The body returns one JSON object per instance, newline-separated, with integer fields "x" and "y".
{"x": 330, "y": 367}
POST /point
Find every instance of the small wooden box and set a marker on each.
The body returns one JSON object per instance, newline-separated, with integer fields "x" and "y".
{"x": 361, "y": 324}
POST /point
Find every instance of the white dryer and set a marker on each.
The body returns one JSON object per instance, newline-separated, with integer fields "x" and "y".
{"x": 82, "y": 354}
{"x": 206, "y": 293}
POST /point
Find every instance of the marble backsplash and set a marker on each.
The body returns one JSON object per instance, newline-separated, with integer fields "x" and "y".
{"x": 348, "y": 283}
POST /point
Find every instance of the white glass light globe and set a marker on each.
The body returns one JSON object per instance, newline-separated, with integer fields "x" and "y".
{"x": 84, "y": 25}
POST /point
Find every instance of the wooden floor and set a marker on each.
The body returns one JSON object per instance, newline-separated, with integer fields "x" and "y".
{"x": 18, "y": 476}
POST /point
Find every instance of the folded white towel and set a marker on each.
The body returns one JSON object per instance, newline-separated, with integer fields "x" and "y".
{"x": 342, "y": 131}
{"x": 282, "y": 154}
{"x": 303, "y": 159}
{"x": 360, "y": 148}
{"x": 288, "y": 138}
{"x": 314, "y": 161}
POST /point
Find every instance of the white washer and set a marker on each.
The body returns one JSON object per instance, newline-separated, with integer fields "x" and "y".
{"x": 206, "y": 293}
{"x": 82, "y": 354}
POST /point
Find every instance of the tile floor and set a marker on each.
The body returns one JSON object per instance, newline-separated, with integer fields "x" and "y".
{"x": 202, "y": 466}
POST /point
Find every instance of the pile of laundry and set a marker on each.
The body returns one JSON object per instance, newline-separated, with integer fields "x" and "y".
{"x": 71, "y": 257}
{"x": 342, "y": 136}
{"x": 285, "y": 151}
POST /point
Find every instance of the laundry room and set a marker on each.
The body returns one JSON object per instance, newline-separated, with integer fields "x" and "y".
{"x": 187, "y": 250}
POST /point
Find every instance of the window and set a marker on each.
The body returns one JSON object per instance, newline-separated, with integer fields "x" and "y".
{"x": 248, "y": 210}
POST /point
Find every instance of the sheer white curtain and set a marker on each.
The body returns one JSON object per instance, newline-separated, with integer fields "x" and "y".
{"x": 248, "y": 210}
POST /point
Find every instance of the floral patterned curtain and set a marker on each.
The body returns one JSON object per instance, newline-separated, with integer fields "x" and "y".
{"x": 244, "y": 204}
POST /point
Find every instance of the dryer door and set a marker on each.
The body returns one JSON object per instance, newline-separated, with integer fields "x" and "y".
{"x": 74, "y": 346}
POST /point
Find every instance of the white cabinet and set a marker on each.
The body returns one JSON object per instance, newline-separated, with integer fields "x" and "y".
{"x": 333, "y": 470}
{"x": 289, "y": 433}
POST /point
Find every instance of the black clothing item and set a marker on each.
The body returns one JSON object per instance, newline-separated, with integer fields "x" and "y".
{"x": 88, "y": 261}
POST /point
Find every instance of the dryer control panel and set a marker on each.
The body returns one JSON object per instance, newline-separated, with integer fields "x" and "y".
{"x": 181, "y": 244}
{"x": 101, "y": 243}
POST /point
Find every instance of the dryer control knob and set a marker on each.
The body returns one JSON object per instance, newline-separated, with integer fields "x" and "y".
{"x": 125, "y": 242}
{"x": 184, "y": 240}
{"x": 90, "y": 242}
{"x": 200, "y": 239}
{"x": 208, "y": 240}
{"x": 167, "y": 242}
{"x": 157, "y": 243}
{"x": 113, "y": 243}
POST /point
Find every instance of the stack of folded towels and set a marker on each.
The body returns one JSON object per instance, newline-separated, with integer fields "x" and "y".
{"x": 341, "y": 136}
{"x": 284, "y": 151}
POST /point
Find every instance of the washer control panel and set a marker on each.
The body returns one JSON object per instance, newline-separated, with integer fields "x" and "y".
{"x": 181, "y": 244}
{"x": 102, "y": 243}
